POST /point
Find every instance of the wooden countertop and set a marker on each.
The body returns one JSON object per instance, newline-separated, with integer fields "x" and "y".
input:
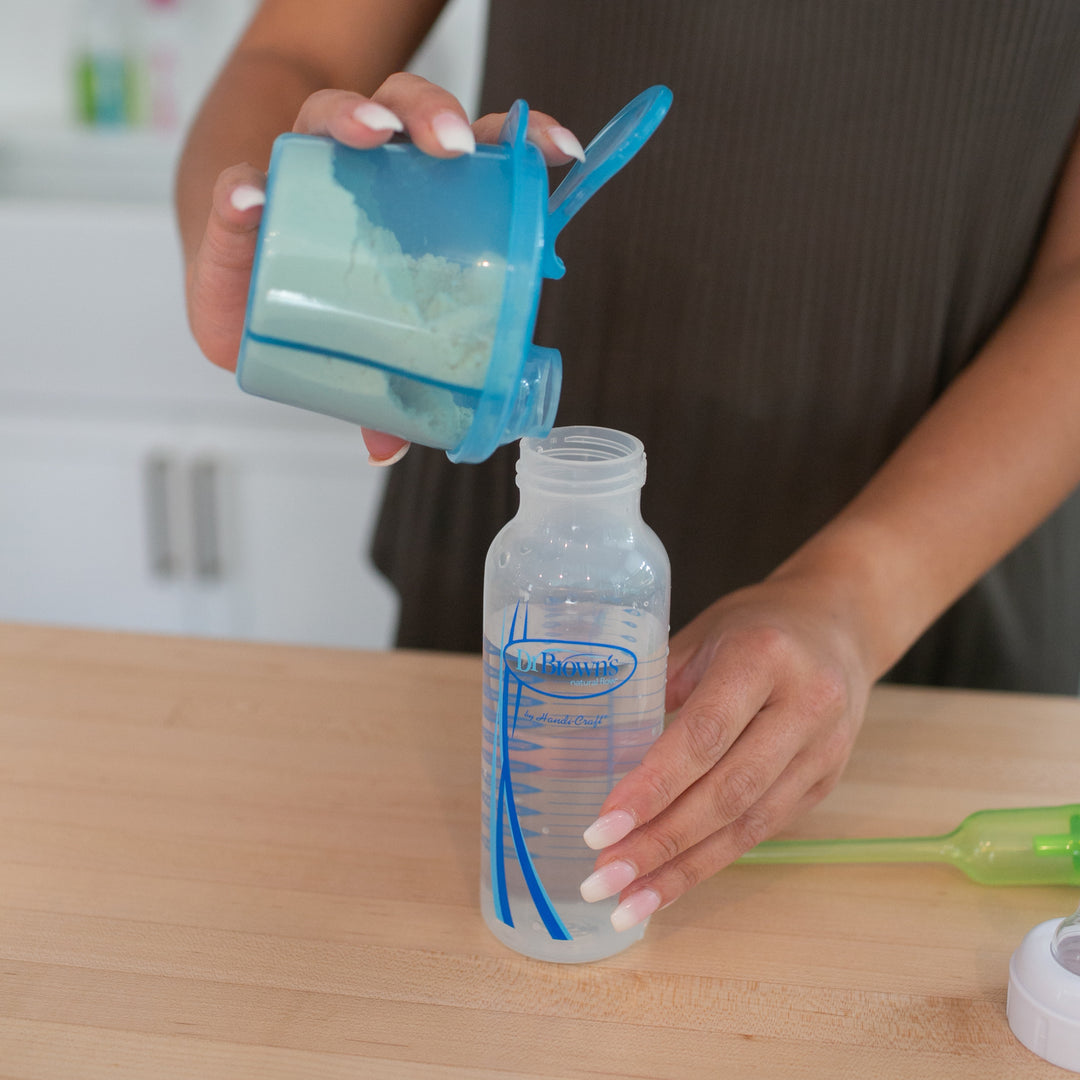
{"x": 221, "y": 860}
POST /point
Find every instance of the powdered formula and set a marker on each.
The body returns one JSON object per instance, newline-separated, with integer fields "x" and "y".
{"x": 408, "y": 336}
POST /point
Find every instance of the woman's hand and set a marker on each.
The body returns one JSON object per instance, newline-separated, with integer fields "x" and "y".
{"x": 770, "y": 691}
{"x": 219, "y": 274}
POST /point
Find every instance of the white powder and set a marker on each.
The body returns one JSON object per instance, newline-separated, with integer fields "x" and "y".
{"x": 428, "y": 315}
{"x": 414, "y": 318}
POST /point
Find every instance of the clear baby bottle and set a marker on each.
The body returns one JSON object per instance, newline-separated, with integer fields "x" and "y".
{"x": 576, "y": 599}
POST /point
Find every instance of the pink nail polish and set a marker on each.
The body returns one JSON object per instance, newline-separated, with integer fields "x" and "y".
{"x": 453, "y": 133}
{"x": 567, "y": 142}
{"x": 377, "y": 117}
{"x": 635, "y": 909}
{"x": 607, "y": 881}
{"x": 609, "y": 828}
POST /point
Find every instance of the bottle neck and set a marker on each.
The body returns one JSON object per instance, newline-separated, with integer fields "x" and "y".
{"x": 575, "y": 509}
{"x": 595, "y": 468}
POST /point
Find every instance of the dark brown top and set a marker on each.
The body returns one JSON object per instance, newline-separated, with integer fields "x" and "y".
{"x": 836, "y": 213}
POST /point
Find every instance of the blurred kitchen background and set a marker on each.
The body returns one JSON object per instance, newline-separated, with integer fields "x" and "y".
{"x": 140, "y": 489}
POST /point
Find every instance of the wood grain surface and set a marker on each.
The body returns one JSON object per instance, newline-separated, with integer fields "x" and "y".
{"x": 221, "y": 860}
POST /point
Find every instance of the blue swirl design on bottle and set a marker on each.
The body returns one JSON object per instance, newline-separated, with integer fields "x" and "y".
{"x": 503, "y": 804}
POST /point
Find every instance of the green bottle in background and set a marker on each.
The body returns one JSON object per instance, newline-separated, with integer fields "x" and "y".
{"x": 105, "y": 90}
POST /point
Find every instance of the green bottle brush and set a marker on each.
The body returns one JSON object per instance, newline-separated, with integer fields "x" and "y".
{"x": 1034, "y": 846}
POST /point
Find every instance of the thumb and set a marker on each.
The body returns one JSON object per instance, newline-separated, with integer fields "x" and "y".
{"x": 220, "y": 273}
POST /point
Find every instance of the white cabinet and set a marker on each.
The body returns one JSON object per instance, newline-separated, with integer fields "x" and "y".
{"x": 187, "y": 529}
{"x": 140, "y": 489}
{"x": 283, "y": 525}
{"x": 72, "y": 542}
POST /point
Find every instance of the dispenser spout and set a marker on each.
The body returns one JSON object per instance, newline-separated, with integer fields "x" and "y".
{"x": 533, "y": 411}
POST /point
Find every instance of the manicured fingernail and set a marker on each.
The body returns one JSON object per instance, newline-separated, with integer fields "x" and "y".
{"x": 607, "y": 881}
{"x": 635, "y": 909}
{"x": 605, "y": 830}
{"x": 453, "y": 133}
{"x": 246, "y": 196}
{"x": 377, "y": 117}
{"x": 396, "y": 456}
{"x": 566, "y": 141}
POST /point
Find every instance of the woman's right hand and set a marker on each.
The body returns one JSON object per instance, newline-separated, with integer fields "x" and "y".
{"x": 219, "y": 274}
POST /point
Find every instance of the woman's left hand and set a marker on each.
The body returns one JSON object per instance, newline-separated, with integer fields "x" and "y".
{"x": 770, "y": 689}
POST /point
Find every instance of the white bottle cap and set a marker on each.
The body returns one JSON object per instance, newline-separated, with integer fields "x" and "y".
{"x": 1043, "y": 1004}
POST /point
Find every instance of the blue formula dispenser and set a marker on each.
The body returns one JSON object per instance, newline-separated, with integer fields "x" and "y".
{"x": 399, "y": 291}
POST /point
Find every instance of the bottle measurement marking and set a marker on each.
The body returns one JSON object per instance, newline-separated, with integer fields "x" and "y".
{"x": 579, "y": 756}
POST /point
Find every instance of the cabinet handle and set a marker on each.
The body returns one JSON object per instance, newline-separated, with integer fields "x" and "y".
{"x": 206, "y": 534}
{"x": 163, "y": 560}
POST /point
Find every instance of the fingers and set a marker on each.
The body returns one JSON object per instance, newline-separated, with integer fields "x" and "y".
{"x": 767, "y": 731}
{"x": 439, "y": 125}
{"x": 350, "y": 118}
{"x": 558, "y": 144}
{"x": 734, "y": 687}
{"x": 383, "y": 449}
{"x": 433, "y": 117}
{"x": 237, "y": 192}
{"x": 220, "y": 272}
{"x": 792, "y": 795}
{"x": 732, "y": 791}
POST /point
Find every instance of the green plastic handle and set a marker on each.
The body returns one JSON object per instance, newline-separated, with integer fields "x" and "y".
{"x": 1031, "y": 846}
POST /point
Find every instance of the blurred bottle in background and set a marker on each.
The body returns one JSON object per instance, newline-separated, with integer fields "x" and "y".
{"x": 130, "y": 59}
{"x": 163, "y": 35}
{"x": 105, "y": 80}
